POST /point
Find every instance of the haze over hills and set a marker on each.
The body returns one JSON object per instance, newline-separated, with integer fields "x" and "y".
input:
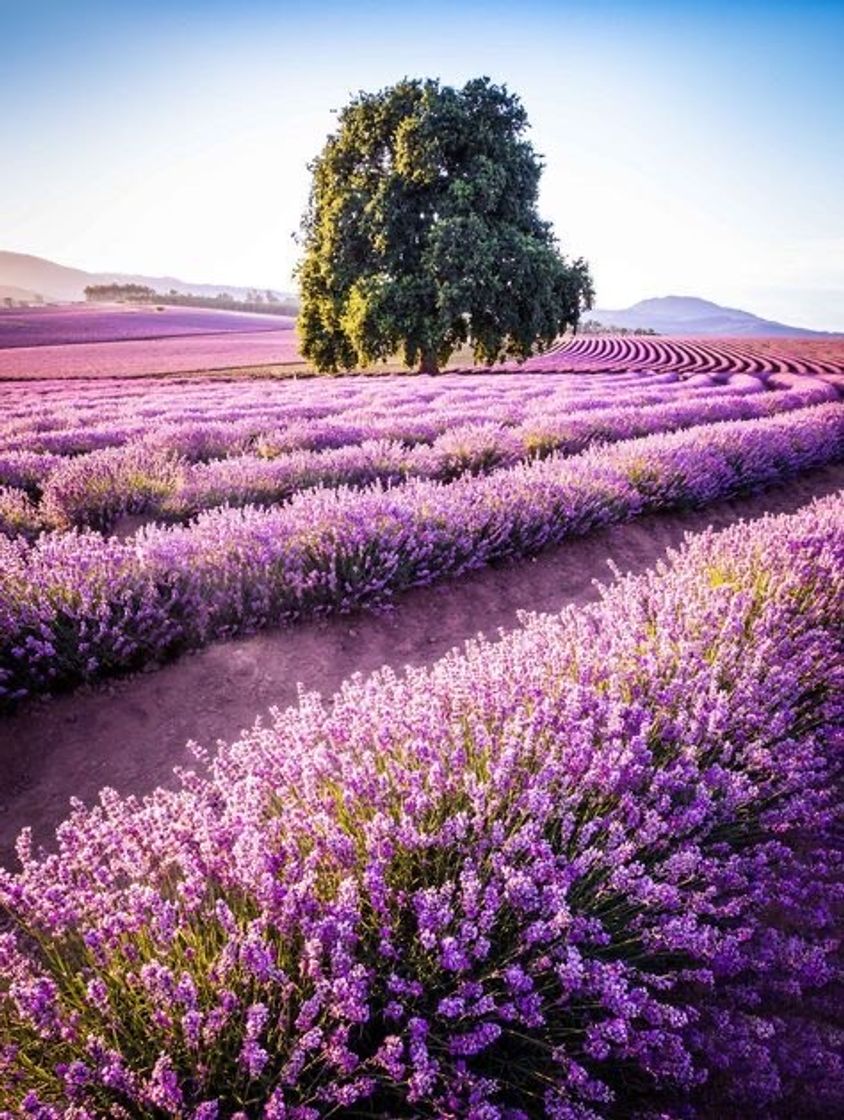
{"x": 688, "y": 315}
{"x": 25, "y": 277}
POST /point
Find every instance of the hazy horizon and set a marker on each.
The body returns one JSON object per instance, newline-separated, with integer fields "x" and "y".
{"x": 691, "y": 150}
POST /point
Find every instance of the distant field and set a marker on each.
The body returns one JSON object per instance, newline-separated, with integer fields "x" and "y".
{"x": 95, "y": 341}
{"x": 813, "y": 349}
{"x": 712, "y": 355}
{"x": 107, "y": 341}
{"x": 137, "y": 357}
{"x": 63, "y": 326}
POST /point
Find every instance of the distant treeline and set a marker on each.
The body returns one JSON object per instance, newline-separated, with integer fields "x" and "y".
{"x": 267, "y": 301}
{"x": 34, "y": 299}
{"x": 592, "y": 326}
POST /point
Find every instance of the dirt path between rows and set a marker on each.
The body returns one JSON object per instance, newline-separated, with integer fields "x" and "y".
{"x": 129, "y": 734}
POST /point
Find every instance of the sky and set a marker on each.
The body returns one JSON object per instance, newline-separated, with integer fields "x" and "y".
{"x": 689, "y": 148}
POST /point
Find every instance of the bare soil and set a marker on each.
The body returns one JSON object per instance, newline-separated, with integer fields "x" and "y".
{"x": 130, "y": 733}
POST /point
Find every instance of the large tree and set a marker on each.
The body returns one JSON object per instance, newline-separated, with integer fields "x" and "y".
{"x": 422, "y": 233}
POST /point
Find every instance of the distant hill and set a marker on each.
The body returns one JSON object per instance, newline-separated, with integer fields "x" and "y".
{"x": 687, "y": 315}
{"x": 58, "y": 283}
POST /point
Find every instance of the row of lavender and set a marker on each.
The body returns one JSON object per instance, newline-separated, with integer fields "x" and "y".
{"x": 73, "y": 431}
{"x": 586, "y": 353}
{"x": 55, "y": 400}
{"x": 75, "y": 606}
{"x": 96, "y": 489}
{"x": 588, "y": 871}
{"x": 205, "y": 432}
{"x": 28, "y": 460}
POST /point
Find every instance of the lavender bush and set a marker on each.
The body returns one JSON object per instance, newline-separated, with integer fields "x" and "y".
{"x": 96, "y": 489}
{"x": 27, "y": 469}
{"x": 588, "y": 871}
{"x": 19, "y": 516}
{"x": 462, "y": 449}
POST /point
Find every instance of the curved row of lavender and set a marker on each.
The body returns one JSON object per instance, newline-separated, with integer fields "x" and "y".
{"x": 587, "y": 353}
{"x": 96, "y": 489}
{"x": 585, "y": 872}
{"x": 75, "y": 428}
{"x": 276, "y": 429}
{"x": 77, "y": 605}
{"x": 38, "y": 437}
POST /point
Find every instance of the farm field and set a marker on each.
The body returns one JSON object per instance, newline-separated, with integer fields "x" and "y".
{"x": 90, "y": 340}
{"x": 602, "y": 839}
{"x": 204, "y": 509}
{"x": 90, "y": 323}
{"x": 589, "y": 353}
{"x": 422, "y": 562}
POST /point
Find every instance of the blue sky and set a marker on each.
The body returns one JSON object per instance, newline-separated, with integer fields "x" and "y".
{"x": 689, "y": 148}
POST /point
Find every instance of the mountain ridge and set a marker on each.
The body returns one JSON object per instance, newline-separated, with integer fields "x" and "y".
{"x": 692, "y": 316}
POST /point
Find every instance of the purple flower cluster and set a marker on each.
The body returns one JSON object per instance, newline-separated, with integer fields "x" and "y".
{"x": 587, "y": 871}
{"x": 92, "y": 491}
{"x": 26, "y": 469}
{"x": 76, "y": 605}
{"x": 19, "y": 515}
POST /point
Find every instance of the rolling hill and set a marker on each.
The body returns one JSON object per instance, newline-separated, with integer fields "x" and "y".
{"x": 688, "y": 315}
{"x": 26, "y": 276}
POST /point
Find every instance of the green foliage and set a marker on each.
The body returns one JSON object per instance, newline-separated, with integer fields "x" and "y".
{"x": 595, "y": 326}
{"x": 119, "y": 293}
{"x": 422, "y": 233}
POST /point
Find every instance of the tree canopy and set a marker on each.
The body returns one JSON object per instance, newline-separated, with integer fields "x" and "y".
{"x": 422, "y": 233}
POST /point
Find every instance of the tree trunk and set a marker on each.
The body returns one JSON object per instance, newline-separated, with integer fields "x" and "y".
{"x": 428, "y": 362}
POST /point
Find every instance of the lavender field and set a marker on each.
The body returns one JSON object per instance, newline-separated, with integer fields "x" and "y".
{"x": 64, "y": 326}
{"x": 587, "y": 869}
{"x": 421, "y": 561}
{"x": 82, "y": 341}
